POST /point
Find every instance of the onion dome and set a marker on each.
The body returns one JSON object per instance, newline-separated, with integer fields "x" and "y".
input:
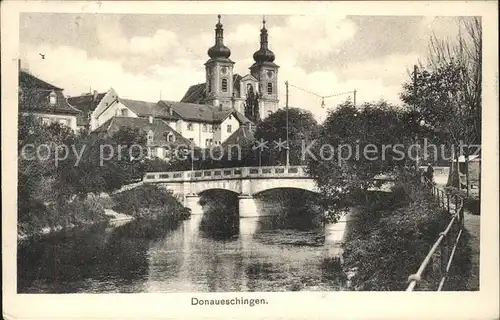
{"x": 263, "y": 54}
{"x": 219, "y": 50}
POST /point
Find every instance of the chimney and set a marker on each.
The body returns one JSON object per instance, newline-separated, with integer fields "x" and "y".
{"x": 150, "y": 118}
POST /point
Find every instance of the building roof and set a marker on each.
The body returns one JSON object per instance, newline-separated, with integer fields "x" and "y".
{"x": 34, "y": 96}
{"x": 85, "y": 103}
{"x": 202, "y": 112}
{"x": 197, "y": 93}
{"x": 245, "y": 135}
{"x": 159, "y": 127}
{"x": 27, "y": 80}
{"x": 144, "y": 109}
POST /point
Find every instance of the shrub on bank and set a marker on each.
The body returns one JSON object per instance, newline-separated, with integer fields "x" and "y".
{"x": 151, "y": 202}
{"x": 388, "y": 243}
{"x": 42, "y": 218}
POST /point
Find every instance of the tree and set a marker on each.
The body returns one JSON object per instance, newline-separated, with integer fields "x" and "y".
{"x": 447, "y": 92}
{"x": 302, "y": 128}
{"x": 252, "y": 105}
{"x": 353, "y": 148}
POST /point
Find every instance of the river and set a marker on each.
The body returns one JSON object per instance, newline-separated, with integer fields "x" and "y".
{"x": 197, "y": 255}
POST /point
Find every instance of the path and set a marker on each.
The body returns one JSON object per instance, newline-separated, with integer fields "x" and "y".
{"x": 117, "y": 216}
{"x": 472, "y": 224}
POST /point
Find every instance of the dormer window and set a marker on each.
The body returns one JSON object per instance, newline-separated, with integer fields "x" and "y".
{"x": 52, "y": 98}
{"x": 170, "y": 137}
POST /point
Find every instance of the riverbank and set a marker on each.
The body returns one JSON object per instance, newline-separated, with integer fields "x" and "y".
{"x": 392, "y": 235}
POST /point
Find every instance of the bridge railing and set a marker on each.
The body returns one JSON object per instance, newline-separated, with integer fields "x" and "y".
{"x": 226, "y": 173}
{"x": 442, "y": 252}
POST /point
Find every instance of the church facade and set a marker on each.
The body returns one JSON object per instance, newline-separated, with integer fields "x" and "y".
{"x": 255, "y": 94}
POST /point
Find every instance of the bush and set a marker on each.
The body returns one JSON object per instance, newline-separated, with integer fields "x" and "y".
{"x": 389, "y": 243}
{"x": 150, "y": 201}
{"x": 77, "y": 212}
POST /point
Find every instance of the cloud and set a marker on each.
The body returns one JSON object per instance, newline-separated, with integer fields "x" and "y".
{"x": 170, "y": 60}
{"x": 73, "y": 70}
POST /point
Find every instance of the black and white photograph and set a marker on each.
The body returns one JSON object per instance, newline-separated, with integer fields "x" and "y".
{"x": 263, "y": 152}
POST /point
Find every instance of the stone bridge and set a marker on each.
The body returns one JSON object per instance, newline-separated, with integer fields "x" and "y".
{"x": 246, "y": 182}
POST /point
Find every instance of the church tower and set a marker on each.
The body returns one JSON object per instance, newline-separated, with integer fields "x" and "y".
{"x": 266, "y": 71}
{"x": 219, "y": 71}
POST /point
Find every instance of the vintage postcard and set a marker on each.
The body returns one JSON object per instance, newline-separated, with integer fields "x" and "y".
{"x": 250, "y": 160}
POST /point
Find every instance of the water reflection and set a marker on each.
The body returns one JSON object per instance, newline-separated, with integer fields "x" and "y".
{"x": 216, "y": 251}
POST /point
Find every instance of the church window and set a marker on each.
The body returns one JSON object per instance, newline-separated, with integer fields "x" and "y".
{"x": 269, "y": 88}
{"x": 209, "y": 85}
{"x": 224, "y": 85}
{"x": 249, "y": 88}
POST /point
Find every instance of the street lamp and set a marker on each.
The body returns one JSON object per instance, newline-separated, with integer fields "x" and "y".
{"x": 421, "y": 123}
{"x": 287, "y": 143}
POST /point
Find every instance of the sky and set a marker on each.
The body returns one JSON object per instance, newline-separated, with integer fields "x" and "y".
{"x": 148, "y": 56}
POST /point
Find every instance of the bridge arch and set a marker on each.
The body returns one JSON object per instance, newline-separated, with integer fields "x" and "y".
{"x": 260, "y": 186}
{"x": 228, "y": 185}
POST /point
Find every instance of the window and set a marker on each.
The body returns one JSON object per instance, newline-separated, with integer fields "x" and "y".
{"x": 249, "y": 89}
{"x": 230, "y": 117}
{"x": 46, "y": 121}
{"x": 204, "y": 128}
{"x": 209, "y": 85}
{"x": 269, "y": 88}
{"x": 52, "y": 98}
{"x": 124, "y": 113}
{"x": 170, "y": 137}
{"x": 229, "y": 129}
{"x": 190, "y": 126}
{"x": 207, "y": 142}
{"x": 224, "y": 85}
{"x": 150, "y": 137}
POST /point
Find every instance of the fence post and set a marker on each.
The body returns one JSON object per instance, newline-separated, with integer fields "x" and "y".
{"x": 444, "y": 254}
{"x": 448, "y": 202}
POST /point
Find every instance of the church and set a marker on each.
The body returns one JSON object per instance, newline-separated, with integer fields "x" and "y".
{"x": 209, "y": 113}
{"x": 255, "y": 94}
